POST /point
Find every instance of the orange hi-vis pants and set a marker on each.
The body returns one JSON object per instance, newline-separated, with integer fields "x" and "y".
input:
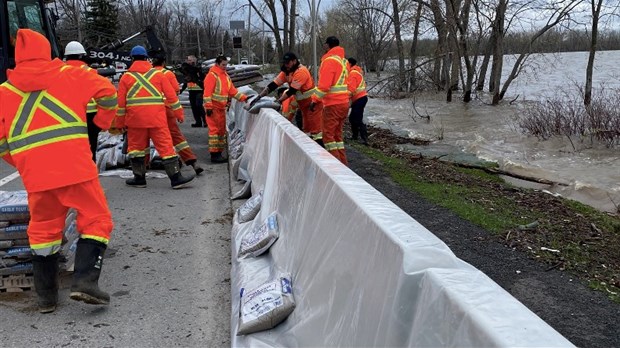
{"x": 217, "y": 130}
{"x": 312, "y": 120}
{"x": 333, "y": 124}
{"x": 178, "y": 139}
{"x": 138, "y": 141}
{"x": 48, "y": 211}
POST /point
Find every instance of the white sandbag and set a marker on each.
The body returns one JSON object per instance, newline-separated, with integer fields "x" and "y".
{"x": 14, "y": 206}
{"x": 248, "y": 210}
{"x": 236, "y": 151}
{"x": 269, "y": 103}
{"x": 266, "y": 306}
{"x": 14, "y": 231}
{"x": 260, "y": 238}
{"x": 245, "y": 192}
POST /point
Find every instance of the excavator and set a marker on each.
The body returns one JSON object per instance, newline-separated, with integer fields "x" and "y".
{"x": 16, "y": 14}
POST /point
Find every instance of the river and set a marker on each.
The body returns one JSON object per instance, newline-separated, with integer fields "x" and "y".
{"x": 591, "y": 172}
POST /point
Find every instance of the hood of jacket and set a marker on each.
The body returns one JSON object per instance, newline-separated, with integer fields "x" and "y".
{"x": 338, "y": 51}
{"x": 34, "y": 68}
{"x": 140, "y": 66}
{"x": 357, "y": 68}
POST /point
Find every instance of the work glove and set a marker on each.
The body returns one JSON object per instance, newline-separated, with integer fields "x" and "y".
{"x": 255, "y": 100}
{"x": 209, "y": 112}
{"x": 312, "y": 106}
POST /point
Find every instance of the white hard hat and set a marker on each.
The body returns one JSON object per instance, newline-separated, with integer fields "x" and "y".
{"x": 74, "y": 48}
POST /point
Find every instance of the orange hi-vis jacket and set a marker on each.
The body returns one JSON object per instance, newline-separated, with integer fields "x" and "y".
{"x": 172, "y": 78}
{"x": 143, "y": 94}
{"x": 300, "y": 79}
{"x": 357, "y": 83}
{"x": 332, "y": 88}
{"x": 219, "y": 88}
{"x": 43, "y": 130}
{"x": 289, "y": 107}
{"x": 92, "y": 106}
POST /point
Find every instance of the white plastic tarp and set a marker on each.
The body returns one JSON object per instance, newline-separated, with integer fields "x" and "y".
{"x": 364, "y": 273}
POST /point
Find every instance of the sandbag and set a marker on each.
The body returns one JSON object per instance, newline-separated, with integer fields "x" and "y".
{"x": 16, "y": 231}
{"x": 260, "y": 238}
{"x": 248, "y": 210}
{"x": 14, "y": 206}
{"x": 263, "y": 103}
{"x": 245, "y": 192}
{"x": 266, "y": 306}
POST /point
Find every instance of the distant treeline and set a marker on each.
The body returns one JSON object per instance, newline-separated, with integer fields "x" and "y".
{"x": 552, "y": 41}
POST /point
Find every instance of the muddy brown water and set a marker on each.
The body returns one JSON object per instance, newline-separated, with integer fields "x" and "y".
{"x": 591, "y": 172}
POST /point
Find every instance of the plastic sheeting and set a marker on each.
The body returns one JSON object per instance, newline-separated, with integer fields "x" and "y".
{"x": 364, "y": 273}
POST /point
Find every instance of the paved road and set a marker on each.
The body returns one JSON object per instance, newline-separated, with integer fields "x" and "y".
{"x": 167, "y": 269}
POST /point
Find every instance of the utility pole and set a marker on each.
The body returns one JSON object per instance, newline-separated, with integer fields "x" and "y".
{"x": 315, "y": 69}
{"x": 77, "y": 20}
{"x": 249, "y": 32}
{"x": 198, "y": 37}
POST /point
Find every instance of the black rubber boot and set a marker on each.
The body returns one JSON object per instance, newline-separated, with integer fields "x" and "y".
{"x": 45, "y": 270}
{"x": 197, "y": 168}
{"x": 216, "y": 157}
{"x": 138, "y": 167}
{"x": 88, "y": 262}
{"x": 177, "y": 180}
{"x": 363, "y": 134}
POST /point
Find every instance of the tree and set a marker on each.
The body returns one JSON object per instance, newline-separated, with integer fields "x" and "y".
{"x": 596, "y": 15}
{"x": 101, "y": 22}
{"x": 288, "y": 12}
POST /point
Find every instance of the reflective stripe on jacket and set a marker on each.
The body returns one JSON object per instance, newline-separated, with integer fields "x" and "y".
{"x": 357, "y": 83}
{"x": 172, "y": 78}
{"x": 332, "y": 87}
{"x": 43, "y": 132}
{"x": 143, "y": 93}
{"x": 300, "y": 79}
{"x": 219, "y": 89}
{"x": 289, "y": 107}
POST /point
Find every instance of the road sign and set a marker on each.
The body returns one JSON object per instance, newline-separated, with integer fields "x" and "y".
{"x": 237, "y": 42}
{"x": 237, "y": 25}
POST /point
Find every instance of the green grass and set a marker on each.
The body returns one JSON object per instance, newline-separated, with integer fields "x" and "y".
{"x": 459, "y": 199}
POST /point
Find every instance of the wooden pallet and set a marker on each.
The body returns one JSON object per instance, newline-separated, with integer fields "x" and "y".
{"x": 16, "y": 283}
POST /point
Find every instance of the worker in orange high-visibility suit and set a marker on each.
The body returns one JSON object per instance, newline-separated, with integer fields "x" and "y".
{"x": 74, "y": 56}
{"x": 333, "y": 93}
{"x": 178, "y": 139}
{"x": 143, "y": 93}
{"x": 218, "y": 90}
{"x": 301, "y": 85}
{"x": 43, "y": 134}
{"x": 359, "y": 98}
{"x": 289, "y": 105}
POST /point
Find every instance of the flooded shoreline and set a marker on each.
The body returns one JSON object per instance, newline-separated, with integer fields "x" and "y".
{"x": 589, "y": 174}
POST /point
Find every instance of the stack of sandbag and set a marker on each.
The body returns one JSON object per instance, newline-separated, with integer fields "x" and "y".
{"x": 110, "y": 151}
{"x": 266, "y": 304}
{"x": 15, "y": 252}
{"x": 241, "y": 75}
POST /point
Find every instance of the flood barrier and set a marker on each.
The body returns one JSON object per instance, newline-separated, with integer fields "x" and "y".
{"x": 364, "y": 273}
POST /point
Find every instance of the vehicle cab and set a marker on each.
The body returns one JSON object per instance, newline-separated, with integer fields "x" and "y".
{"x": 17, "y": 14}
